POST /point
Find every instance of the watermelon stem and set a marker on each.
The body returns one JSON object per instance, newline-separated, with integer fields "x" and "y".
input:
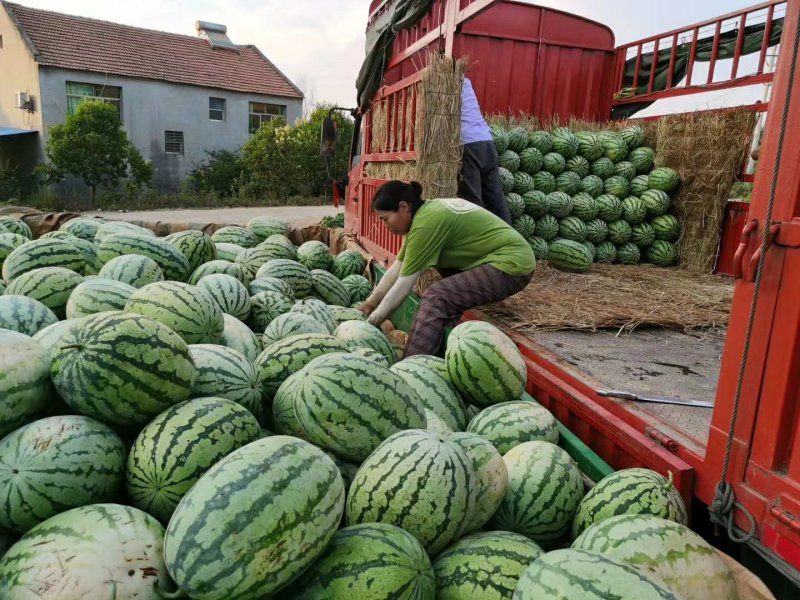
{"x": 179, "y": 593}
{"x": 670, "y": 482}
{"x": 73, "y": 346}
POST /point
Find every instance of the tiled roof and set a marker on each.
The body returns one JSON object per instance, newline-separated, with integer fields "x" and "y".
{"x": 82, "y": 44}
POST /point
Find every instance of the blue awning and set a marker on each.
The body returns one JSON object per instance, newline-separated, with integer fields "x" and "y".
{"x": 12, "y": 131}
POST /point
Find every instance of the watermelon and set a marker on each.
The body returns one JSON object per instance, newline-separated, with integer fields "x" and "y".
{"x": 315, "y": 255}
{"x": 195, "y": 245}
{"x": 54, "y": 235}
{"x": 8, "y": 243}
{"x": 292, "y": 272}
{"x": 633, "y": 136}
{"x": 98, "y": 295}
{"x": 569, "y": 183}
{"x": 609, "y": 207}
{"x": 234, "y": 234}
{"x": 619, "y": 232}
{"x": 264, "y": 307}
{"x": 518, "y": 139}
{"x": 628, "y": 254}
{"x": 24, "y": 314}
{"x": 602, "y": 168}
{"x": 436, "y": 363}
{"x": 572, "y": 228}
{"x": 238, "y": 336}
{"x": 177, "y": 447}
{"x": 667, "y": 551}
{"x": 52, "y": 334}
{"x": 590, "y": 146}
{"x": 565, "y": 142}
{"x": 435, "y": 424}
{"x": 580, "y": 575}
{"x": 500, "y": 137}
{"x": 509, "y": 160}
{"x": 114, "y": 227}
{"x": 16, "y": 226}
{"x": 544, "y": 182}
{"x": 329, "y": 288}
{"x": 531, "y": 160}
{"x": 507, "y": 180}
{"x": 630, "y": 491}
{"x": 132, "y": 269}
{"x": 368, "y": 561}
{"x": 89, "y": 252}
{"x": 543, "y": 492}
{"x": 264, "y": 227}
{"x": 569, "y": 255}
{"x": 358, "y": 287}
{"x": 656, "y": 202}
{"x": 223, "y": 267}
{"x": 379, "y": 358}
{"x": 523, "y": 183}
{"x": 606, "y": 252}
{"x": 355, "y": 334}
{"x": 58, "y": 463}
{"x": 122, "y": 368}
{"x": 616, "y": 186}
{"x": 510, "y": 424}
{"x": 535, "y": 204}
{"x": 539, "y": 246}
{"x": 349, "y": 262}
{"x": 228, "y": 251}
{"x": 188, "y": 310}
{"x": 642, "y": 159}
{"x": 515, "y": 204}
{"x": 317, "y": 309}
{"x": 173, "y": 264}
{"x": 633, "y": 210}
{"x": 665, "y": 227}
{"x": 663, "y": 178}
{"x": 279, "y": 246}
{"x": 284, "y": 419}
{"x": 223, "y": 372}
{"x": 291, "y": 323}
{"x": 554, "y": 163}
{"x": 229, "y": 293}
{"x": 252, "y": 259}
{"x": 592, "y": 249}
{"x": 525, "y": 225}
{"x": 24, "y": 381}
{"x": 289, "y": 355}
{"x": 662, "y": 254}
{"x": 484, "y": 365}
{"x": 639, "y": 185}
{"x": 579, "y": 165}
{"x": 435, "y": 391}
{"x": 42, "y": 253}
{"x": 559, "y": 204}
{"x": 616, "y": 148}
{"x": 541, "y": 140}
{"x": 592, "y": 185}
{"x": 96, "y": 551}
{"x": 394, "y": 486}
{"x": 484, "y": 565}
{"x": 642, "y": 235}
{"x": 546, "y": 228}
{"x": 51, "y": 286}
{"x": 84, "y": 228}
{"x": 625, "y": 169}
{"x": 283, "y": 502}
{"x": 584, "y": 206}
{"x": 271, "y": 284}
{"x": 349, "y": 404}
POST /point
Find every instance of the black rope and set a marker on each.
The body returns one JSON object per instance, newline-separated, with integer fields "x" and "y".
{"x": 724, "y": 503}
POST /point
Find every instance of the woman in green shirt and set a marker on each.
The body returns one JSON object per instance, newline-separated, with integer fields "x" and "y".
{"x": 482, "y": 259}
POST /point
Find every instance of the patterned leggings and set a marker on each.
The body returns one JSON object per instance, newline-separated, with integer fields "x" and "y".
{"x": 445, "y": 301}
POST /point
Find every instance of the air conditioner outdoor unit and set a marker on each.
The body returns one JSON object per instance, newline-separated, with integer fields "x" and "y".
{"x": 22, "y": 100}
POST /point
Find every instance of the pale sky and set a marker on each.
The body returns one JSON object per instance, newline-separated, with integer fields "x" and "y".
{"x": 319, "y": 44}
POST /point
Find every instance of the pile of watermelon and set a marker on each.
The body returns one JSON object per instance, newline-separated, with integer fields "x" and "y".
{"x": 581, "y": 197}
{"x": 209, "y": 417}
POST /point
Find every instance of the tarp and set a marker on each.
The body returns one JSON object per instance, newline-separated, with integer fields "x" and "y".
{"x": 380, "y": 39}
{"x": 753, "y": 36}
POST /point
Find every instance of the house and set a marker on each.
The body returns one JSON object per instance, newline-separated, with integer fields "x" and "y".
{"x": 177, "y": 95}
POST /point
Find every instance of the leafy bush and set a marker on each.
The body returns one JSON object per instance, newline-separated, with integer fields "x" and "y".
{"x": 337, "y": 221}
{"x": 219, "y": 173}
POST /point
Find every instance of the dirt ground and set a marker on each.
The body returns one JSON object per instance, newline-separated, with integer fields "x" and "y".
{"x": 299, "y": 216}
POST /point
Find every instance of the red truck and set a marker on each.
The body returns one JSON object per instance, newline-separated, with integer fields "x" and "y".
{"x": 750, "y": 439}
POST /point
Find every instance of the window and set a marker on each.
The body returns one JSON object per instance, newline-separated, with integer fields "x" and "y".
{"x": 78, "y": 92}
{"x": 260, "y": 113}
{"x": 173, "y": 142}
{"x": 216, "y": 109}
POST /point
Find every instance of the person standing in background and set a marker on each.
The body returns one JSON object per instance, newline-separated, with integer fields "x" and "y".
{"x": 479, "y": 180}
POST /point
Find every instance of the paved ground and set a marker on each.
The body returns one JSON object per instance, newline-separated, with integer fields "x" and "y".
{"x": 300, "y": 216}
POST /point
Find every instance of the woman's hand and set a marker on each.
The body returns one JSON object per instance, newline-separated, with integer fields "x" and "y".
{"x": 366, "y": 309}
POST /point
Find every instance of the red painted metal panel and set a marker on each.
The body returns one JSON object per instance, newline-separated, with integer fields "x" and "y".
{"x": 735, "y": 218}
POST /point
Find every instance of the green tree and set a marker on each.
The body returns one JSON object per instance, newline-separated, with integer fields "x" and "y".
{"x": 91, "y": 144}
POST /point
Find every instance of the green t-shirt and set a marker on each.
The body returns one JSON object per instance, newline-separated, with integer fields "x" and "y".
{"x": 452, "y": 233}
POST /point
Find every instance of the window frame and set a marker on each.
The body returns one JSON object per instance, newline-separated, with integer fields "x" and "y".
{"x": 97, "y": 95}
{"x": 263, "y": 117}
{"x": 222, "y": 110}
{"x": 167, "y": 141}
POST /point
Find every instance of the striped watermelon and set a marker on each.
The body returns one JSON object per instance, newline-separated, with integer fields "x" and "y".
{"x": 435, "y": 391}
{"x": 554, "y": 163}
{"x": 590, "y": 146}
{"x": 57, "y": 235}
{"x": 539, "y": 246}
{"x": 345, "y": 313}
{"x": 348, "y": 262}
{"x": 114, "y": 227}
{"x": 279, "y": 246}
{"x": 517, "y": 139}
{"x": 98, "y": 295}
{"x": 616, "y": 147}
{"x": 639, "y": 185}
{"x": 25, "y": 315}
{"x": 541, "y": 140}
{"x": 284, "y": 419}
{"x": 17, "y": 226}
{"x": 222, "y": 267}
{"x": 228, "y": 251}
{"x": 356, "y": 334}
{"x": 509, "y": 160}
{"x": 315, "y": 255}
{"x": 544, "y": 182}
{"x": 584, "y": 206}
{"x": 665, "y": 227}
{"x": 358, "y": 287}
{"x": 500, "y": 137}
{"x": 619, "y": 232}
{"x": 436, "y": 363}
{"x": 132, "y": 269}
{"x": 96, "y": 551}
{"x": 484, "y": 565}
{"x": 579, "y": 165}
{"x": 592, "y": 249}
{"x": 434, "y": 424}
{"x": 188, "y": 310}
{"x": 662, "y": 253}
{"x": 58, "y": 463}
{"x": 625, "y": 169}
{"x": 369, "y": 561}
{"x": 89, "y": 252}
{"x": 616, "y": 186}
{"x": 284, "y": 500}
{"x": 228, "y": 292}
{"x": 523, "y": 183}
{"x": 491, "y": 477}
{"x": 289, "y": 355}
{"x": 592, "y": 185}
{"x": 122, "y": 368}
{"x": 51, "y": 286}
{"x": 569, "y": 183}
{"x": 271, "y": 284}
{"x": 609, "y": 207}
{"x": 349, "y": 404}
{"x": 656, "y": 202}
{"x": 24, "y": 380}
{"x": 291, "y": 323}
{"x": 394, "y": 486}
{"x": 572, "y": 228}
{"x": 509, "y": 424}
{"x": 195, "y": 245}
{"x": 543, "y": 492}
{"x": 565, "y": 142}
{"x": 602, "y": 168}
{"x": 559, "y": 204}
{"x": 238, "y": 336}
{"x": 292, "y": 272}
{"x": 377, "y": 357}
{"x": 42, "y": 253}
{"x": 264, "y": 307}
{"x": 318, "y": 309}
{"x": 172, "y": 262}
{"x": 8, "y": 243}
{"x": 606, "y": 252}
{"x": 223, "y": 372}
{"x": 596, "y": 231}
{"x": 484, "y": 365}
{"x": 667, "y": 551}
{"x": 663, "y": 178}
{"x": 525, "y": 226}
{"x": 264, "y": 227}
{"x": 569, "y": 255}
{"x": 234, "y": 234}
{"x": 642, "y": 235}
{"x": 83, "y": 227}
{"x": 515, "y": 204}
{"x": 329, "y": 288}
{"x": 252, "y": 259}
{"x": 642, "y": 159}
{"x": 531, "y": 160}
{"x": 535, "y": 204}
{"x": 630, "y": 491}
{"x": 633, "y": 135}
{"x": 633, "y": 210}
{"x": 628, "y": 254}
{"x": 177, "y": 447}
{"x": 51, "y": 335}
{"x": 580, "y": 575}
